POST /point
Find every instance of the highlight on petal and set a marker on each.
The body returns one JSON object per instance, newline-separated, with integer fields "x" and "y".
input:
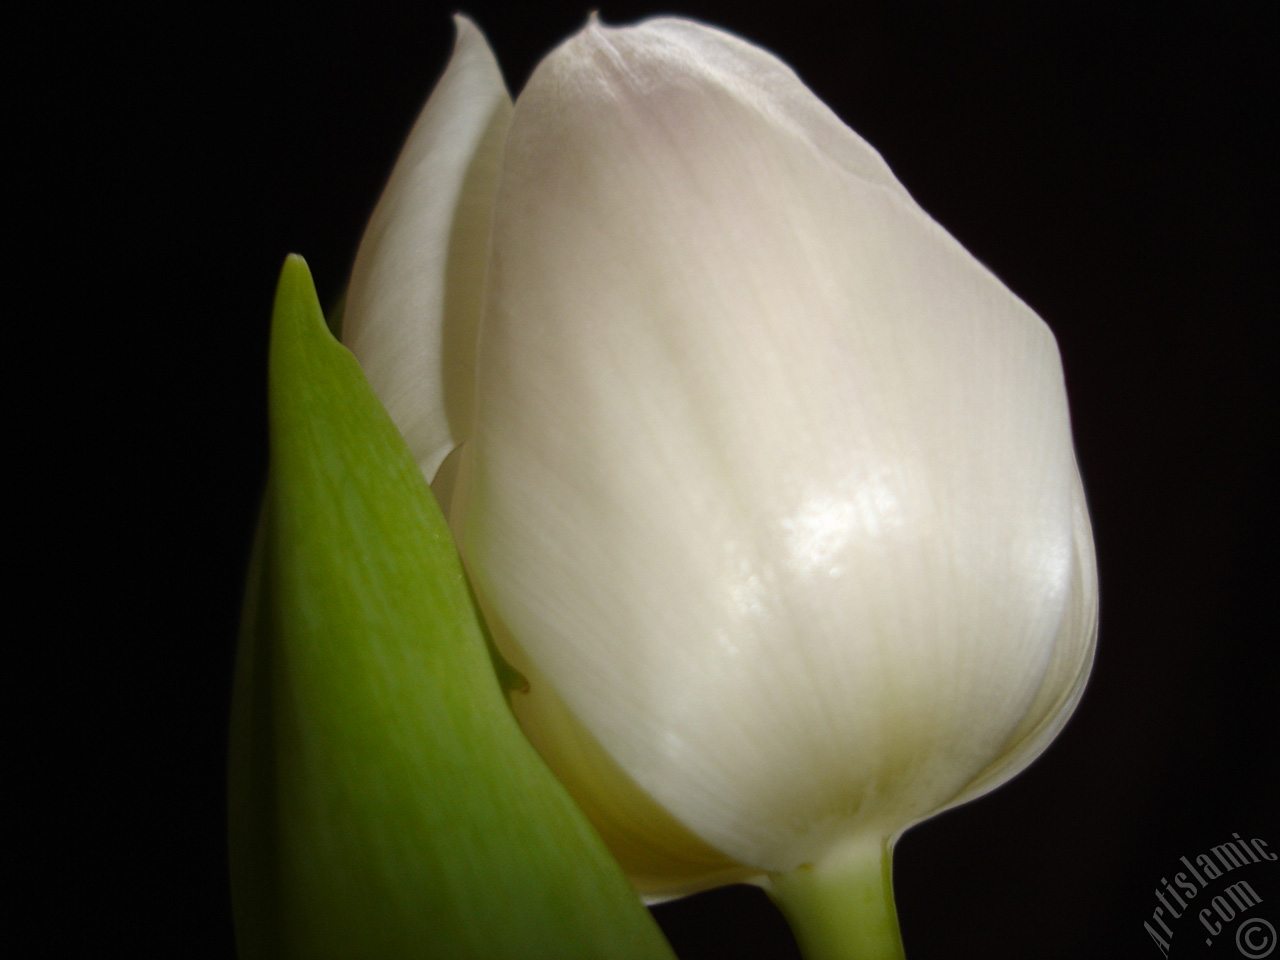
{"x": 741, "y": 402}
{"x": 413, "y": 304}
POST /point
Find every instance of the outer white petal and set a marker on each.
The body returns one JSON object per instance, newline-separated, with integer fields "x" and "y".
{"x": 772, "y": 481}
{"x": 1063, "y": 684}
{"x": 413, "y": 304}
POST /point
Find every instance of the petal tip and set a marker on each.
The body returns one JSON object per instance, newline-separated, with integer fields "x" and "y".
{"x": 463, "y": 24}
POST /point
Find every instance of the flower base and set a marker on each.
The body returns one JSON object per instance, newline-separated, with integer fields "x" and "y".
{"x": 842, "y": 908}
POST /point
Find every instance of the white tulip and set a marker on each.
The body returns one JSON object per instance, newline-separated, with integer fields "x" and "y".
{"x": 766, "y": 483}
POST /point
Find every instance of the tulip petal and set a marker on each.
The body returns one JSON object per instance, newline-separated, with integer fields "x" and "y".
{"x": 413, "y": 303}
{"x": 663, "y": 859}
{"x": 772, "y": 481}
{"x": 383, "y": 802}
{"x": 1064, "y": 681}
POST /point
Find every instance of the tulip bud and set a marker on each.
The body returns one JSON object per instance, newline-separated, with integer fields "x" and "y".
{"x": 766, "y": 484}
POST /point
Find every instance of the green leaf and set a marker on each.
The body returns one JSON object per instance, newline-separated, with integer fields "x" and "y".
{"x": 383, "y": 802}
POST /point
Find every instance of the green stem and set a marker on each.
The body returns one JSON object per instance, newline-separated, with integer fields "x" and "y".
{"x": 841, "y": 908}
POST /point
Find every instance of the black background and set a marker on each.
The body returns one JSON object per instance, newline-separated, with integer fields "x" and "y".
{"x": 1106, "y": 162}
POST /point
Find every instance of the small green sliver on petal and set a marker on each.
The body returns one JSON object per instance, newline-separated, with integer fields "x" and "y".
{"x": 383, "y": 802}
